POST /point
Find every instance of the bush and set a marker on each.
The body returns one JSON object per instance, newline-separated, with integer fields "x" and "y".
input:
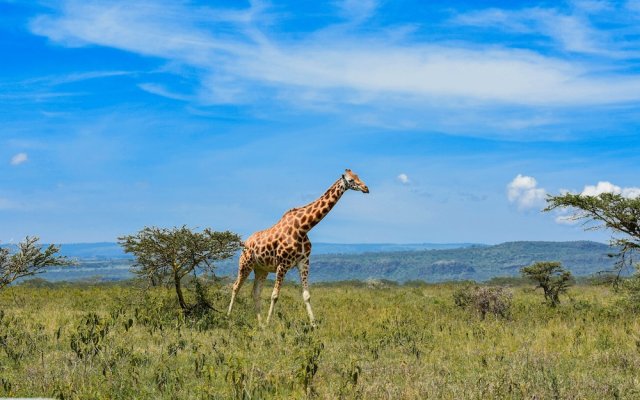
{"x": 484, "y": 300}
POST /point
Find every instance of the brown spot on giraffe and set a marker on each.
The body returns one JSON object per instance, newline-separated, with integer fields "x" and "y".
{"x": 286, "y": 245}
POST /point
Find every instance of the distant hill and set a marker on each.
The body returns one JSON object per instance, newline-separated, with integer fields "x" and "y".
{"x": 94, "y": 251}
{"x": 109, "y": 250}
{"x": 398, "y": 262}
{"x": 109, "y": 262}
{"x": 359, "y": 248}
{"x": 476, "y": 263}
{"x": 87, "y": 251}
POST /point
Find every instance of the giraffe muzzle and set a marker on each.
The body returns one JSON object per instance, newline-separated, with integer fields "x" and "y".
{"x": 365, "y": 190}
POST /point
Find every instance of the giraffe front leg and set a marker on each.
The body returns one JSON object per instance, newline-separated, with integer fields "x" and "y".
{"x": 260, "y": 276}
{"x": 276, "y": 290}
{"x": 303, "y": 268}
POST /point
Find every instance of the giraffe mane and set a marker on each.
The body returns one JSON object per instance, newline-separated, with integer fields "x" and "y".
{"x": 291, "y": 210}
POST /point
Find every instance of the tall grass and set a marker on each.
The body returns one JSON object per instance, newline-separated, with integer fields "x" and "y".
{"x": 403, "y": 342}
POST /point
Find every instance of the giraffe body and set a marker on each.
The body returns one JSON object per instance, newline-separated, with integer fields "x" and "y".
{"x": 286, "y": 245}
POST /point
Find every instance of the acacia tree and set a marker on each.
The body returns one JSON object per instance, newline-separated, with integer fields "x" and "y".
{"x": 606, "y": 211}
{"x": 167, "y": 255}
{"x": 551, "y": 277}
{"x": 30, "y": 258}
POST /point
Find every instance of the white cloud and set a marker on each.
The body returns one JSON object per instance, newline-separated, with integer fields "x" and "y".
{"x": 601, "y": 187}
{"x": 564, "y": 215}
{"x": 525, "y": 193}
{"x": 54, "y": 80}
{"x": 235, "y": 56}
{"x": 77, "y": 77}
{"x": 19, "y": 158}
{"x": 160, "y": 90}
{"x": 631, "y": 192}
{"x": 47, "y": 88}
{"x": 608, "y": 187}
{"x": 570, "y": 32}
{"x": 403, "y": 178}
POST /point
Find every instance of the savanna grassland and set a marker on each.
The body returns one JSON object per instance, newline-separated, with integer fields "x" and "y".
{"x": 405, "y": 342}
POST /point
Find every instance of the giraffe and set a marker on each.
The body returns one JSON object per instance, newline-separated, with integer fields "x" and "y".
{"x": 286, "y": 245}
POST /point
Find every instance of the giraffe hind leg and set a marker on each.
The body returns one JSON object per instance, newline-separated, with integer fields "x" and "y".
{"x": 243, "y": 272}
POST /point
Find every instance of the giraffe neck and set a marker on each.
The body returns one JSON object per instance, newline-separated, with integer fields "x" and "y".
{"x": 314, "y": 212}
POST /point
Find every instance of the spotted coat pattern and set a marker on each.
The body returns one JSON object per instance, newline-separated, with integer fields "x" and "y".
{"x": 286, "y": 245}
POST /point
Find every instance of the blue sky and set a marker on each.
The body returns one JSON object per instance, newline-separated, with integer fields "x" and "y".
{"x": 460, "y": 116}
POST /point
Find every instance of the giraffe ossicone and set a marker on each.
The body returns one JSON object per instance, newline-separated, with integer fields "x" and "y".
{"x": 286, "y": 245}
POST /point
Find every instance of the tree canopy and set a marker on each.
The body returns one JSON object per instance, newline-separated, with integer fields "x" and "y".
{"x": 167, "y": 255}
{"x": 29, "y": 259}
{"x": 551, "y": 278}
{"x": 605, "y": 211}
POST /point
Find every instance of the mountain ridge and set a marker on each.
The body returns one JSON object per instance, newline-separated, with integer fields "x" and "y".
{"x": 475, "y": 262}
{"x": 106, "y": 250}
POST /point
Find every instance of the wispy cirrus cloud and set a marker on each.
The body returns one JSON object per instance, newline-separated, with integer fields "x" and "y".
{"x": 239, "y": 58}
{"x": 569, "y": 32}
{"x": 596, "y": 28}
{"x": 74, "y": 77}
{"x": 47, "y": 88}
{"x": 160, "y": 90}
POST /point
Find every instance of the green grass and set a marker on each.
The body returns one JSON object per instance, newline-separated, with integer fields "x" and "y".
{"x": 405, "y": 342}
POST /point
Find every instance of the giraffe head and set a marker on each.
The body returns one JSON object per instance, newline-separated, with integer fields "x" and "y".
{"x": 353, "y": 182}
